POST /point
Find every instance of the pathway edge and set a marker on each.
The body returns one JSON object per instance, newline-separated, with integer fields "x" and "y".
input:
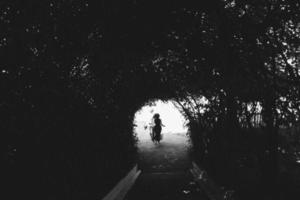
{"x": 210, "y": 188}
{"x": 124, "y": 185}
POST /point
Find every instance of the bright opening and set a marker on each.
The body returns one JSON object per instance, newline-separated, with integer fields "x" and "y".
{"x": 173, "y": 120}
{"x": 171, "y": 153}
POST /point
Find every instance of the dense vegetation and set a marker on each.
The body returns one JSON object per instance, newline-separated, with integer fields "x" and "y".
{"x": 73, "y": 73}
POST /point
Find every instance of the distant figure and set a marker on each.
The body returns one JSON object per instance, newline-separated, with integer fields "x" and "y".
{"x": 156, "y": 129}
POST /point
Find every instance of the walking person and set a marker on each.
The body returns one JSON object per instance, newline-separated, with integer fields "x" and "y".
{"x": 156, "y": 129}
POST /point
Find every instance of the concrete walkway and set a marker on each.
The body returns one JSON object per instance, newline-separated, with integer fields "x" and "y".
{"x": 165, "y": 171}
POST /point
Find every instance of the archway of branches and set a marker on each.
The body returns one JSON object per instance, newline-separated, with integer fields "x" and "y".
{"x": 71, "y": 86}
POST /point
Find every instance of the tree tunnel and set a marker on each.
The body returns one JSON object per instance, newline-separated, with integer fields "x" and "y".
{"x": 74, "y": 74}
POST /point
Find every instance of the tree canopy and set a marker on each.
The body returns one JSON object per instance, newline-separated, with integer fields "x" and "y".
{"x": 74, "y": 72}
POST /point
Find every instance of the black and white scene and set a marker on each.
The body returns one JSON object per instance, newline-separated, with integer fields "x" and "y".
{"x": 150, "y": 99}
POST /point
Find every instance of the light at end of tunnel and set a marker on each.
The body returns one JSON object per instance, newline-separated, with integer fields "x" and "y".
{"x": 171, "y": 117}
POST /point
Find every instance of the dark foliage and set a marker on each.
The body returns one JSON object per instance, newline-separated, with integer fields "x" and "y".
{"x": 74, "y": 72}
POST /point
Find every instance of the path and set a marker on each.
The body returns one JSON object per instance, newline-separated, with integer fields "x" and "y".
{"x": 165, "y": 171}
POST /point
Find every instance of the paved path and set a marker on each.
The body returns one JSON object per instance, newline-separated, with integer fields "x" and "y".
{"x": 165, "y": 171}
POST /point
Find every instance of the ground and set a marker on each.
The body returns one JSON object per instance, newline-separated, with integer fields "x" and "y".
{"x": 165, "y": 170}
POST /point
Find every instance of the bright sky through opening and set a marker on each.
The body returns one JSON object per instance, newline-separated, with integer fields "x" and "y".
{"x": 169, "y": 114}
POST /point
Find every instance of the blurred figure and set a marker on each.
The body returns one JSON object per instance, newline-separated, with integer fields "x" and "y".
{"x": 156, "y": 135}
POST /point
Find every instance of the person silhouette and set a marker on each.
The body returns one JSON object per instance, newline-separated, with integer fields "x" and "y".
{"x": 156, "y": 129}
